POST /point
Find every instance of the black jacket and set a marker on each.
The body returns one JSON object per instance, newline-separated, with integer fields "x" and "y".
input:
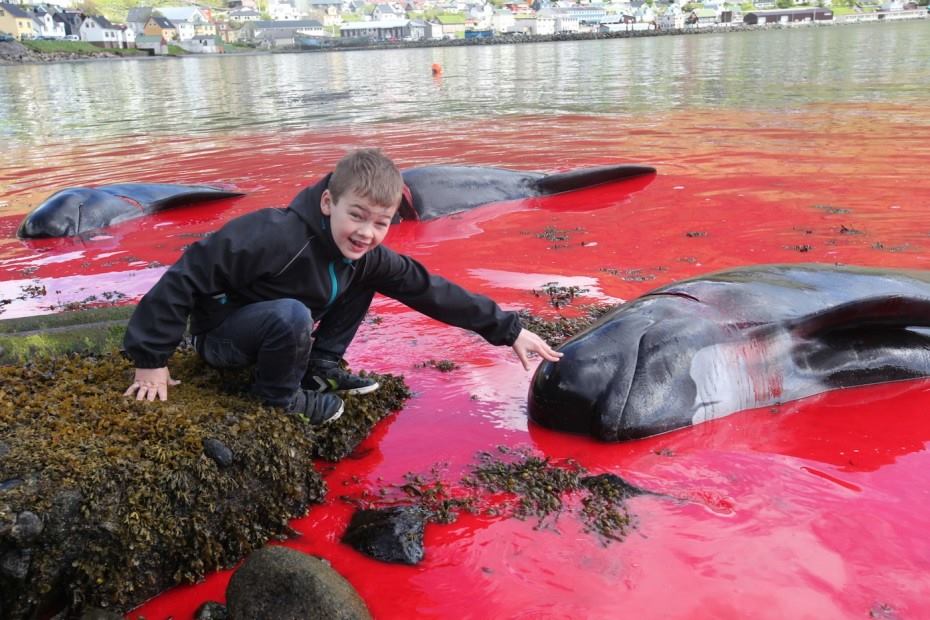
{"x": 290, "y": 253}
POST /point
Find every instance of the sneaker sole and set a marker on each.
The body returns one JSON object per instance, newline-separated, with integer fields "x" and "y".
{"x": 336, "y": 416}
{"x": 368, "y": 389}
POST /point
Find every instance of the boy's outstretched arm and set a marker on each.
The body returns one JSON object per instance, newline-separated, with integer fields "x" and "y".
{"x": 151, "y": 382}
{"x": 528, "y": 342}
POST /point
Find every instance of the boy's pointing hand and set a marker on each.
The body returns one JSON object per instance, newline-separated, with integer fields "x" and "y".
{"x": 528, "y": 342}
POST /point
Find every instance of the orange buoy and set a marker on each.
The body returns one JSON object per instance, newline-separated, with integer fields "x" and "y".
{"x": 437, "y": 68}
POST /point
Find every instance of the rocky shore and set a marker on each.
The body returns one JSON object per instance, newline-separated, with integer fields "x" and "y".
{"x": 16, "y": 53}
{"x": 105, "y": 502}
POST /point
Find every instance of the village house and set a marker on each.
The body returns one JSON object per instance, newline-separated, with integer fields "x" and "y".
{"x": 158, "y": 26}
{"x": 189, "y": 21}
{"x": 137, "y": 17}
{"x": 16, "y": 21}
{"x": 419, "y": 30}
{"x": 387, "y": 30}
{"x": 154, "y": 45}
{"x": 786, "y": 16}
{"x": 46, "y": 26}
{"x": 98, "y": 31}
{"x": 283, "y": 12}
{"x": 502, "y": 21}
{"x": 280, "y": 33}
{"x": 241, "y": 16}
{"x": 71, "y": 21}
{"x": 453, "y": 26}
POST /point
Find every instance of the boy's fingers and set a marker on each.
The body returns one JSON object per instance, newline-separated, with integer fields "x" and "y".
{"x": 522, "y": 355}
{"x": 131, "y": 390}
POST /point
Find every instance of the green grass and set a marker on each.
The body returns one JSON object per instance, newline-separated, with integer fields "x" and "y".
{"x": 846, "y": 10}
{"x": 75, "y": 47}
{"x": 174, "y": 50}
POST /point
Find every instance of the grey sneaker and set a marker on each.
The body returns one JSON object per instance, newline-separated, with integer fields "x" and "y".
{"x": 315, "y": 408}
{"x": 325, "y": 376}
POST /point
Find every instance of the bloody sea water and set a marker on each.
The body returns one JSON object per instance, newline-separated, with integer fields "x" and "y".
{"x": 813, "y": 509}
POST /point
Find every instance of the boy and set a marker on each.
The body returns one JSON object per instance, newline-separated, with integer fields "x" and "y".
{"x": 254, "y": 288}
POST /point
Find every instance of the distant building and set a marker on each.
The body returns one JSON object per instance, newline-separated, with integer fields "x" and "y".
{"x": 387, "y": 30}
{"x": 98, "y": 31}
{"x": 787, "y": 16}
{"x": 16, "y": 21}
{"x": 156, "y": 46}
{"x": 244, "y": 15}
{"x": 137, "y": 17}
{"x": 158, "y": 26}
{"x": 280, "y": 33}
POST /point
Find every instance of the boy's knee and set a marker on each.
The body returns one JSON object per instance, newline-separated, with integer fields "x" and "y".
{"x": 293, "y": 315}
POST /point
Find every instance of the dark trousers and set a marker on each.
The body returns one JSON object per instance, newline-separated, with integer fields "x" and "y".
{"x": 276, "y": 337}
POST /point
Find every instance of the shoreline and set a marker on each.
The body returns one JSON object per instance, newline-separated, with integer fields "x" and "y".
{"x": 37, "y": 58}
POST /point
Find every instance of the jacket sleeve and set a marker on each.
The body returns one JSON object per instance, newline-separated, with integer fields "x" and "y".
{"x": 404, "y": 279}
{"x": 226, "y": 260}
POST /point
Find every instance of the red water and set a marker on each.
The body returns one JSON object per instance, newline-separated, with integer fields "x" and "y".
{"x": 814, "y": 510}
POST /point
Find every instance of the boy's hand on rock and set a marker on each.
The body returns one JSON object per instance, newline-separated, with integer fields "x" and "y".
{"x": 528, "y": 342}
{"x": 151, "y": 382}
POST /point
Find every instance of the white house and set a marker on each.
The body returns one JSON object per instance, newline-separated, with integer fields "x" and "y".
{"x": 502, "y": 21}
{"x": 97, "y": 30}
{"x": 672, "y": 19}
{"x": 542, "y": 24}
{"x": 201, "y": 45}
{"x": 127, "y": 36}
{"x": 893, "y": 5}
{"x": 45, "y": 24}
{"x": 244, "y": 15}
{"x": 283, "y": 12}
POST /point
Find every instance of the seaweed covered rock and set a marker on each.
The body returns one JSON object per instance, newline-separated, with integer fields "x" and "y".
{"x": 106, "y": 501}
{"x": 281, "y": 583}
{"x": 388, "y": 534}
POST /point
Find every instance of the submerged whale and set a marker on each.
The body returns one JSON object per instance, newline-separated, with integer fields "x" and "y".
{"x": 708, "y": 347}
{"x": 78, "y": 210}
{"x": 430, "y": 192}
{"x": 434, "y": 191}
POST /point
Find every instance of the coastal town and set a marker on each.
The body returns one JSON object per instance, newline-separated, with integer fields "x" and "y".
{"x": 308, "y": 24}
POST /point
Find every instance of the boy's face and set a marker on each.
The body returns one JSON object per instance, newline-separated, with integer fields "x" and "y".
{"x": 358, "y": 224}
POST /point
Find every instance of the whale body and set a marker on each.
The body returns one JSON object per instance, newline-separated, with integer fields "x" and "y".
{"x": 435, "y": 191}
{"x": 77, "y": 210}
{"x": 430, "y": 192}
{"x": 710, "y": 346}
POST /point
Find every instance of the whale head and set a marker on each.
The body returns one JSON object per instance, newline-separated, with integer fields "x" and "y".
{"x": 73, "y": 211}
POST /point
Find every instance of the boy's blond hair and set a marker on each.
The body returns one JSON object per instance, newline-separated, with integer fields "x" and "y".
{"x": 371, "y": 174}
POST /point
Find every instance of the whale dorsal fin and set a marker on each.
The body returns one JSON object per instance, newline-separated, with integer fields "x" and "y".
{"x": 587, "y": 177}
{"x": 879, "y": 311}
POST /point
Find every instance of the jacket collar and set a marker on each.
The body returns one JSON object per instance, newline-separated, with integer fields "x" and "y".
{"x": 307, "y": 206}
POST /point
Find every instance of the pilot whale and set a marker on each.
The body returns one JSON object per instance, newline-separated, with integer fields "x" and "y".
{"x": 434, "y": 191}
{"x": 430, "y": 192}
{"x": 707, "y": 347}
{"x": 77, "y": 210}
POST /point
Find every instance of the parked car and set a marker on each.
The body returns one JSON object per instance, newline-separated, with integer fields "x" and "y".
{"x": 72, "y": 37}
{"x": 6, "y": 37}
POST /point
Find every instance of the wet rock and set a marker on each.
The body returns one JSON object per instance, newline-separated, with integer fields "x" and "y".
{"x": 217, "y": 450}
{"x": 14, "y": 564}
{"x": 27, "y": 528}
{"x": 95, "y": 613}
{"x": 4, "y": 447}
{"x": 211, "y": 610}
{"x": 9, "y": 484}
{"x": 388, "y": 534}
{"x": 281, "y": 583}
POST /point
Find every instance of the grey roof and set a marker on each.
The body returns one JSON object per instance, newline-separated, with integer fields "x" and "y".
{"x": 293, "y": 24}
{"x": 14, "y": 10}
{"x": 102, "y": 21}
{"x": 325, "y": 2}
{"x": 163, "y": 22}
{"x": 139, "y": 14}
